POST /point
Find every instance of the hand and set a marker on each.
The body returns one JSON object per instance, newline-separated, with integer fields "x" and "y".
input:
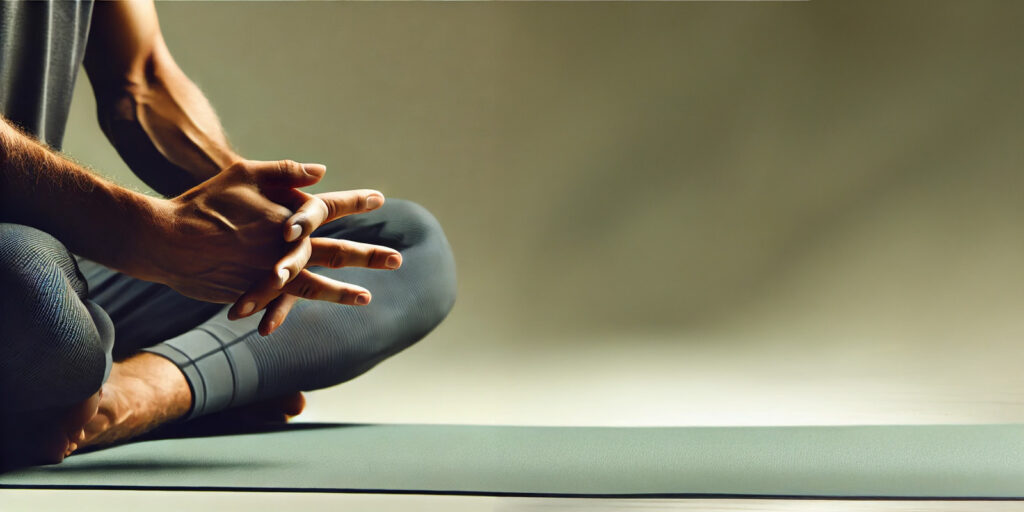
{"x": 215, "y": 240}
{"x": 316, "y": 210}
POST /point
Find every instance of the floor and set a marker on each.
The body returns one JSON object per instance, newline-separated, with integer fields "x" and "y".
{"x": 159, "y": 501}
{"x": 717, "y": 380}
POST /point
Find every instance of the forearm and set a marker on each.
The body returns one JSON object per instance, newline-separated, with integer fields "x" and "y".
{"x": 90, "y": 215}
{"x": 162, "y": 125}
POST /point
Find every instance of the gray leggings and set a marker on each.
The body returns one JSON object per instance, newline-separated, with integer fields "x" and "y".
{"x": 64, "y": 319}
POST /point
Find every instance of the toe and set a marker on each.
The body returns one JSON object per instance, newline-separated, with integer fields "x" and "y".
{"x": 293, "y": 405}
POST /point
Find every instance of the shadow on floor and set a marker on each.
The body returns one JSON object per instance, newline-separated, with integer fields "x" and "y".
{"x": 224, "y": 424}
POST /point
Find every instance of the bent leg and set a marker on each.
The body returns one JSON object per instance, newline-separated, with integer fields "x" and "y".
{"x": 322, "y": 344}
{"x": 55, "y": 343}
{"x": 143, "y": 313}
{"x": 55, "y": 349}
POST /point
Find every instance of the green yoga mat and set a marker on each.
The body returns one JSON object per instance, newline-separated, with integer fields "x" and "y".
{"x": 939, "y": 461}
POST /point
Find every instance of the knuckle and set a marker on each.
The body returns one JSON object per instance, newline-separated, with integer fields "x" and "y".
{"x": 237, "y": 165}
{"x": 232, "y": 163}
{"x": 238, "y": 168}
{"x": 278, "y": 214}
{"x": 289, "y": 167}
{"x": 337, "y": 259}
{"x": 327, "y": 208}
{"x": 307, "y": 290}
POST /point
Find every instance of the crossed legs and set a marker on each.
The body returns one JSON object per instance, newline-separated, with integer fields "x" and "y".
{"x": 63, "y": 324}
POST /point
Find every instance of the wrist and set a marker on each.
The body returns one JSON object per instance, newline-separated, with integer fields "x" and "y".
{"x": 148, "y": 231}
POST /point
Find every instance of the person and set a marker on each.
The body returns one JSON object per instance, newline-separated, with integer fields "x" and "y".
{"x": 121, "y": 312}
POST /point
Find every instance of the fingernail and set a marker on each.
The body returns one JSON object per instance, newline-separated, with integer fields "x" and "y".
{"x": 282, "y": 276}
{"x": 374, "y": 202}
{"x": 393, "y": 261}
{"x": 315, "y": 170}
{"x": 247, "y": 308}
{"x": 293, "y": 233}
{"x": 362, "y": 299}
{"x": 270, "y": 326}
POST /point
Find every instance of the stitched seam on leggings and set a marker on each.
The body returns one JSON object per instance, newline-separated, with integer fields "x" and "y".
{"x": 224, "y": 346}
{"x": 202, "y": 381}
{"x": 231, "y": 362}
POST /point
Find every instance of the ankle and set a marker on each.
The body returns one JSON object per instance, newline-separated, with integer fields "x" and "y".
{"x": 155, "y": 381}
{"x": 142, "y": 393}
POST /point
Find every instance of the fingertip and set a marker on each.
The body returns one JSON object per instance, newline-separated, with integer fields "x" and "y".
{"x": 282, "y": 277}
{"x": 246, "y": 309}
{"x": 315, "y": 170}
{"x": 262, "y": 328}
{"x": 293, "y": 232}
{"x": 363, "y": 299}
{"x": 394, "y": 261}
{"x": 374, "y": 200}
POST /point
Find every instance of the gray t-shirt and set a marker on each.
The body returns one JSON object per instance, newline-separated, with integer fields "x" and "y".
{"x": 41, "y": 47}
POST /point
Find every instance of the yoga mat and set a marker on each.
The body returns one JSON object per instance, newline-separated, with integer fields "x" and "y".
{"x": 934, "y": 461}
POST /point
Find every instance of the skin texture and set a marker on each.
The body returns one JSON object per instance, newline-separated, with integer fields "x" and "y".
{"x": 167, "y": 132}
{"x": 212, "y": 243}
{"x": 227, "y": 235}
{"x": 229, "y": 230}
{"x": 155, "y": 117}
{"x": 141, "y": 394}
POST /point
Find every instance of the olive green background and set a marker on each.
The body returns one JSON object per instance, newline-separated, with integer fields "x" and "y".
{"x": 662, "y": 213}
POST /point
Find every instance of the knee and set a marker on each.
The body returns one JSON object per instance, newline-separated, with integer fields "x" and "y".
{"x": 428, "y": 264}
{"x": 435, "y": 264}
{"x": 13, "y": 233}
{"x": 38, "y": 275}
{"x": 47, "y": 321}
{"x": 425, "y": 281}
{"x": 415, "y": 222}
{"x": 31, "y": 257}
{"x": 19, "y": 243}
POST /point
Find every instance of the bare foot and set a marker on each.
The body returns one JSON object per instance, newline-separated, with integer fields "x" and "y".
{"x": 75, "y": 421}
{"x": 142, "y": 393}
{"x": 146, "y": 391}
{"x": 46, "y": 437}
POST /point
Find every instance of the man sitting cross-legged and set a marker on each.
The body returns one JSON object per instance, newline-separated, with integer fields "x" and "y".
{"x": 112, "y": 315}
